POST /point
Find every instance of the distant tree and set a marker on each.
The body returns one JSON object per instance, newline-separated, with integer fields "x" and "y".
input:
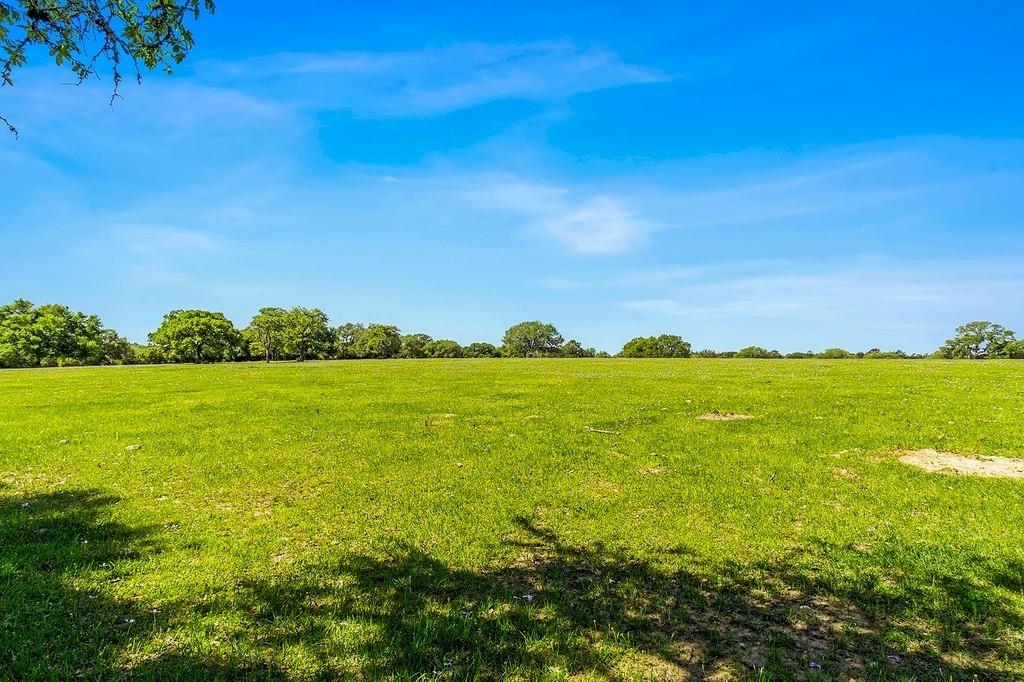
{"x": 835, "y": 354}
{"x": 82, "y": 34}
{"x": 1014, "y": 349}
{"x": 531, "y": 339}
{"x": 67, "y": 337}
{"x": 345, "y": 338}
{"x": 664, "y": 346}
{"x": 673, "y": 346}
{"x": 15, "y": 334}
{"x": 602, "y": 354}
{"x": 481, "y": 349}
{"x": 50, "y": 335}
{"x": 639, "y": 347}
{"x": 876, "y": 354}
{"x": 443, "y": 348}
{"x": 379, "y": 341}
{"x": 707, "y": 353}
{"x": 574, "y": 349}
{"x": 148, "y": 355}
{"x": 413, "y": 345}
{"x": 116, "y": 350}
{"x": 753, "y": 352}
{"x": 266, "y": 332}
{"x": 196, "y": 336}
{"x": 800, "y": 355}
{"x": 306, "y": 334}
{"x": 977, "y": 341}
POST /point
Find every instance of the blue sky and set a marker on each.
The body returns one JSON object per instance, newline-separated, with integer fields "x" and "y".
{"x": 795, "y": 177}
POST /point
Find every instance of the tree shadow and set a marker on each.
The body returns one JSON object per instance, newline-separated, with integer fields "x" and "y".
{"x": 555, "y": 610}
{"x": 563, "y": 610}
{"x": 58, "y": 552}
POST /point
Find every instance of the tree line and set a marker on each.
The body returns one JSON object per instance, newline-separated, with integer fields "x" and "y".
{"x": 54, "y": 335}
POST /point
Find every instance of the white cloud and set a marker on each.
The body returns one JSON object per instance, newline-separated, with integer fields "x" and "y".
{"x": 436, "y": 80}
{"x": 597, "y": 226}
{"x": 586, "y": 224}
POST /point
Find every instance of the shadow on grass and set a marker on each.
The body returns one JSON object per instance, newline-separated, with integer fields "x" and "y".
{"x": 58, "y": 552}
{"x": 560, "y": 610}
{"x": 557, "y": 610}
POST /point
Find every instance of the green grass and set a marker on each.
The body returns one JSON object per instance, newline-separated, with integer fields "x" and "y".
{"x": 460, "y": 520}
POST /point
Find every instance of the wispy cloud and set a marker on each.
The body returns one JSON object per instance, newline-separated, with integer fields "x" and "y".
{"x": 208, "y": 286}
{"x": 597, "y": 226}
{"x": 857, "y": 294}
{"x": 862, "y": 194}
{"x": 810, "y": 188}
{"x": 161, "y": 239}
{"x": 661, "y": 278}
{"x": 585, "y": 224}
{"x": 197, "y": 201}
{"x": 435, "y": 80}
{"x": 44, "y": 106}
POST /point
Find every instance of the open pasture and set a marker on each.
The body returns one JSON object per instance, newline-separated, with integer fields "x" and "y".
{"x": 528, "y": 519}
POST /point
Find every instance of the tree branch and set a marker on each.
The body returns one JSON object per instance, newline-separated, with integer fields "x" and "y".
{"x": 85, "y": 33}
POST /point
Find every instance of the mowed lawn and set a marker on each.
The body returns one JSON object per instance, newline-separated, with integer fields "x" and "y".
{"x": 522, "y": 519}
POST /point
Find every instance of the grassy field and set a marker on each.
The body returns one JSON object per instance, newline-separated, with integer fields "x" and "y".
{"x": 500, "y": 518}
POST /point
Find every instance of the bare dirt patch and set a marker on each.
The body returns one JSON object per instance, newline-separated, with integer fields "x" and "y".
{"x": 949, "y": 463}
{"x": 724, "y": 417}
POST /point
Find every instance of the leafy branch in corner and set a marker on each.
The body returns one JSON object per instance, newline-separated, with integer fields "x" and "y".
{"x": 83, "y": 35}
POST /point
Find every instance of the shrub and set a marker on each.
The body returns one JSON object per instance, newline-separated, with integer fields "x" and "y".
{"x": 835, "y": 354}
{"x": 413, "y": 346}
{"x": 753, "y": 352}
{"x": 481, "y": 349}
{"x": 379, "y": 341}
{"x": 148, "y": 355}
{"x": 664, "y": 346}
{"x": 1014, "y": 350}
{"x": 443, "y": 348}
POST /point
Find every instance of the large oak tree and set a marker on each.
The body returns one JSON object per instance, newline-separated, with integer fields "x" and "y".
{"x": 197, "y": 336}
{"x": 532, "y": 339}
